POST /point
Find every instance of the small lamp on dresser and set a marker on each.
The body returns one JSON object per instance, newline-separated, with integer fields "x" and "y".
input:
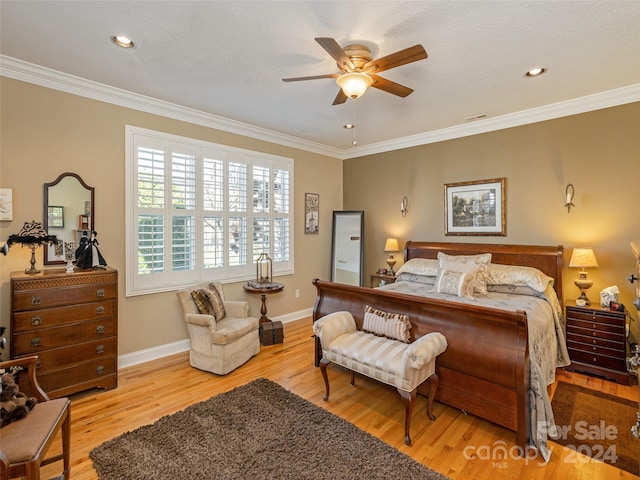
{"x": 583, "y": 258}
{"x": 391, "y": 247}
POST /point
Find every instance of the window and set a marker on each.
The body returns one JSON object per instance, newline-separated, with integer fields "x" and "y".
{"x": 199, "y": 211}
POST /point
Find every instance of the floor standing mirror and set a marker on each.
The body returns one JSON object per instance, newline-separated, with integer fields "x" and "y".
{"x": 347, "y": 248}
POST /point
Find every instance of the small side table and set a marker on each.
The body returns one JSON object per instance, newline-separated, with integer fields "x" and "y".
{"x": 378, "y": 279}
{"x": 263, "y": 290}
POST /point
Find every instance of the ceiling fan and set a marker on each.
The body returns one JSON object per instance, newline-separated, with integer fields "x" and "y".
{"x": 358, "y": 70}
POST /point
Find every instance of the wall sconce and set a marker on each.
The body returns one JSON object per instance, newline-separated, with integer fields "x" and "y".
{"x": 569, "y": 192}
{"x": 32, "y": 235}
{"x": 391, "y": 246}
{"x": 583, "y": 258}
{"x": 404, "y": 205}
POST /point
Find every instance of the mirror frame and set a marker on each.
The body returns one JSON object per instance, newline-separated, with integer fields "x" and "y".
{"x": 359, "y": 216}
{"x": 45, "y": 210}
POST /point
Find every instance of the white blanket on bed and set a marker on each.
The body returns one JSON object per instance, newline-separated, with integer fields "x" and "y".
{"x": 547, "y": 347}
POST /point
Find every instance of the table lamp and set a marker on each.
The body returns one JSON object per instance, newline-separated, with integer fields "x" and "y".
{"x": 583, "y": 258}
{"x": 32, "y": 235}
{"x": 391, "y": 246}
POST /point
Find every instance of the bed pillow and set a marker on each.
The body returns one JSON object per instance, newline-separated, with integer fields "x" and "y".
{"x": 385, "y": 324}
{"x": 514, "y": 290}
{"x": 467, "y": 264}
{"x": 455, "y": 283}
{"x": 498, "y": 274}
{"x": 420, "y": 266}
{"x": 412, "y": 277}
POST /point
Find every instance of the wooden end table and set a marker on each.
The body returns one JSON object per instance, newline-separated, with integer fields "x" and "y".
{"x": 264, "y": 290}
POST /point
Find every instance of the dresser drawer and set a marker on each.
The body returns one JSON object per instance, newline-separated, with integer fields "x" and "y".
{"x": 617, "y": 336}
{"x": 593, "y": 339}
{"x": 603, "y": 316}
{"x": 597, "y": 349}
{"x": 597, "y": 360}
{"x": 93, "y": 371}
{"x": 35, "y": 341}
{"x": 59, "y": 358}
{"x": 53, "y": 297}
{"x": 596, "y": 326}
{"x": 51, "y": 317}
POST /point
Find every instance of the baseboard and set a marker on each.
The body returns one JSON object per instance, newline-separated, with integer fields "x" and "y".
{"x": 148, "y": 354}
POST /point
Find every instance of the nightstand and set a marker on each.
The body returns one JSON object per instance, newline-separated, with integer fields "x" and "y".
{"x": 596, "y": 339}
{"x": 378, "y": 279}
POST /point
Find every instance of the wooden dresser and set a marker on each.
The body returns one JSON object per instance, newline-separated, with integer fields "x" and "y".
{"x": 70, "y": 320}
{"x": 597, "y": 342}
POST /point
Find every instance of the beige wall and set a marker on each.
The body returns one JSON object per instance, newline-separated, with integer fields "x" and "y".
{"x": 599, "y": 152}
{"x": 47, "y": 132}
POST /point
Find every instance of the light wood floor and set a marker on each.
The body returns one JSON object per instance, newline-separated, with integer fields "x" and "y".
{"x": 149, "y": 391}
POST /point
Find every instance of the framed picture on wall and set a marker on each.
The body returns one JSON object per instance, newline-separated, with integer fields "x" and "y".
{"x": 476, "y": 208}
{"x": 311, "y": 213}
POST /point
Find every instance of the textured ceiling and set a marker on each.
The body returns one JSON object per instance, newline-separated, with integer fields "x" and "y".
{"x": 227, "y": 58}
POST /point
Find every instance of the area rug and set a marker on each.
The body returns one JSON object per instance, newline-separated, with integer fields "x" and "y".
{"x": 256, "y": 431}
{"x": 597, "y": 425}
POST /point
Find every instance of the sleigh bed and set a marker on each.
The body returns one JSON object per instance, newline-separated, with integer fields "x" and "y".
{"x": 488, "y": 369}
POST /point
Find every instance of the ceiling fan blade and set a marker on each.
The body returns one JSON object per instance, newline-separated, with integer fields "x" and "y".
{"x": 336, "y": 51}
{"x": 390, "y": 87}
{"x": 313, "y": 77}
{"x": 408, "y": 55}
{"x": 340, "y": 98}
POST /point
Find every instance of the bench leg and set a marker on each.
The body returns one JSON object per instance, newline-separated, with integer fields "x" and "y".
{"x": 323, "y": 368}
{"x": 353, "y": 377}
{"x": 409, "y": 399}
{"x": 433, "y": 381}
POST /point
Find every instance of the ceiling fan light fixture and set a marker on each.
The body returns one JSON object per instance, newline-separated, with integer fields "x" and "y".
{"x": 355, "y": 84}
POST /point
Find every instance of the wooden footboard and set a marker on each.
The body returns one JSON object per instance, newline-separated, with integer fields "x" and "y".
{"x": 485, "y": 369}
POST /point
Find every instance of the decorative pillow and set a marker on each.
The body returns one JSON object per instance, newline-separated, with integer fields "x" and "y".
{"x": 466, "y": 264}
{"x": 455, "y": 283}
{"x": 498, "y": 274}
{"x": 216, "y": 302}
{"x": 514, "y": 290}
{"x": 385, "y": 324}
{"x": 201, "y": 299}
{"x": 420, "y": 266}
{"x": 412, "y": 277}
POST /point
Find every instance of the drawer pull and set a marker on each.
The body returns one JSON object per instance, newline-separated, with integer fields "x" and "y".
{"x": 100, "y": 292}
{"x": 38, "y": 364}
{"x": 35, "y": 342}
{"x": 35, "y": 300}
{"x": 99, "y": 349}
{"x": 99, "y": 370}
{"x": 35, "y": 321}
{"x": 100, "y": 329}
{"x": 100, "y": 310}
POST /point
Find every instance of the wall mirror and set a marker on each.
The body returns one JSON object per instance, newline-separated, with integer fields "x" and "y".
{"x": 68, "y": 214}
{"x": 347, "y": 248}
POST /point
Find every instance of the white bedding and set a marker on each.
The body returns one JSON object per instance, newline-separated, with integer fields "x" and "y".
{"x": 547, "y": 347}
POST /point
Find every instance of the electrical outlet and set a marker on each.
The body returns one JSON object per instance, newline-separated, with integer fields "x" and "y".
{"x": 297, "y": 293}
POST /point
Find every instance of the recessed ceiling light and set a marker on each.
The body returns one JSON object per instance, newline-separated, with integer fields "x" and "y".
{"x": 349, "y": 126}
{"x": 123, "y": 41}
{"x": 535, "y": 72}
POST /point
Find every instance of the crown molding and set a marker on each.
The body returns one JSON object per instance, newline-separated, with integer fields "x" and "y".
{"x": 45, "y": 77}
{"x": 610, "y": 98}
{"x": 27, "y": 72}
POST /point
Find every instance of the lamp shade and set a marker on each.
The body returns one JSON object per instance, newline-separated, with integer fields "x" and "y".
{"x": 391, "y": 245}
{"x": 583, "y": 258}
{"x": 354, "y": 85}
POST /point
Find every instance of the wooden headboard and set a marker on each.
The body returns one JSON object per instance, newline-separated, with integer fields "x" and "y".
{"x": 547, "y": 259}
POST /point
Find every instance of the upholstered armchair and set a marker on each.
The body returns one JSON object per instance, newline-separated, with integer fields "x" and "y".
{"x": 219, "y": 345}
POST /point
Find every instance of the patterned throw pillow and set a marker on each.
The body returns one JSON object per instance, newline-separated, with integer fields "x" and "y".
{"x": 201, "y": 299}
{"x": 455, "y": 283}
{"x": 466, "y": 264}
{"x": 216, "y": 302}
{"x": 385, "y": 324}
